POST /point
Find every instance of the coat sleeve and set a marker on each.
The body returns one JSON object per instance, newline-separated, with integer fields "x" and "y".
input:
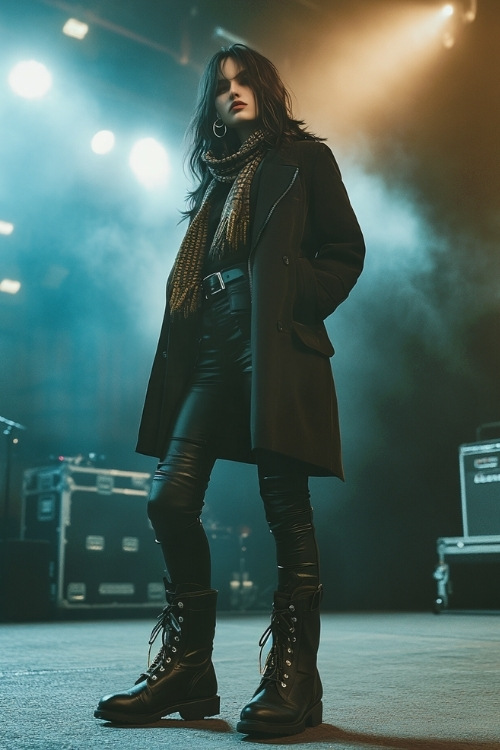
{"x": 335, "y": 257}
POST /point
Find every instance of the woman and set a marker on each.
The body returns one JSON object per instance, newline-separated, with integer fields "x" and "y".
{"x": 242, "y": 372}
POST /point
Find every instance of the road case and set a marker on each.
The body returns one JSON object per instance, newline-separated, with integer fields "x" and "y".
{"x": 482, "y": 556}
{"x": 102, "y": 546}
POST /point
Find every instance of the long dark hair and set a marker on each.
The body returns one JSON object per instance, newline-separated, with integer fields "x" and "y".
{"x": 274, "y": 107}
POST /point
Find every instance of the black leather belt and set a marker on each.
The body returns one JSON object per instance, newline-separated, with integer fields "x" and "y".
{"x": 216, "y": 282}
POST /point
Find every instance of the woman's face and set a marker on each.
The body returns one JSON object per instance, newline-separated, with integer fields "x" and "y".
{"x": 235, "y": 101}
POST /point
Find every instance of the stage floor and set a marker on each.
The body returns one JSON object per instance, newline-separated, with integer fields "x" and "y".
{"x": 402, "y": 681}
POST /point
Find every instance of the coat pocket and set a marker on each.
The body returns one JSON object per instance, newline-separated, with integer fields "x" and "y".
{"x": 313, "y": 337}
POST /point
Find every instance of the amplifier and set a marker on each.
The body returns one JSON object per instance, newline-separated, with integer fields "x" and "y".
{"x": 102, "y": 549}
{"x": 480, "y": 488}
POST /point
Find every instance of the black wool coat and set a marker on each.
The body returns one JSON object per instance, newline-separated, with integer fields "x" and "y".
{"x": 306, "y": 254}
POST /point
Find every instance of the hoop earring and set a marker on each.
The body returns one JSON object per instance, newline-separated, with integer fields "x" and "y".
{"x": 219, "y": 125}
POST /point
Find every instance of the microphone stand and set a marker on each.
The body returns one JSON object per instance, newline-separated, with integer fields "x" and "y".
{"x": 7, "y": 427}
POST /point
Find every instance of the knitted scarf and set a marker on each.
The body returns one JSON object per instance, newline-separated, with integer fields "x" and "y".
{"x": 232, "y": 231}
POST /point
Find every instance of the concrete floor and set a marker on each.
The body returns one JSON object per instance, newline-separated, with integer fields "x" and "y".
{"x": 400, "y": 681}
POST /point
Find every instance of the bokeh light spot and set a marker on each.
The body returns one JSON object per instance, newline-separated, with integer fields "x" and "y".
{"x": 103, "y": 142}
{"x": 149, "y": 162}
{"x": 30, "y": 79}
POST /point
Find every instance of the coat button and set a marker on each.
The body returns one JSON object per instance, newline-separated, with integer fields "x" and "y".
{"x": 280, "y": 326}
{"x": 286, "y": 260}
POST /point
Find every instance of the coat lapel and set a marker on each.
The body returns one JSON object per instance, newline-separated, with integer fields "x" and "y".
{"x": 274, "y": 178}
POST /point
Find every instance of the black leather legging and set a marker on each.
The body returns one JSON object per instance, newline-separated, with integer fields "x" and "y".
{"x": 223, "y": 373}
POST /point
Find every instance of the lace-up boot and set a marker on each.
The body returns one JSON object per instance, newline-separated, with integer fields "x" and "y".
{"x": 181, "y": 677}
{"x": 288, "y": 698}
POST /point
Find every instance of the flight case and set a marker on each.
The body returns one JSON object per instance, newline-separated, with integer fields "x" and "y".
{"x": 102, "y": 546}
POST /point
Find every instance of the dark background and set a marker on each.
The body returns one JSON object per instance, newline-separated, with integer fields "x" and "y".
{"x": 414, "y": 126}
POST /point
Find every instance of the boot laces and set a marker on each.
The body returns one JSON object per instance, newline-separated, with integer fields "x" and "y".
{"x": 169, "y": 625}
{"x": 280, "y": 656}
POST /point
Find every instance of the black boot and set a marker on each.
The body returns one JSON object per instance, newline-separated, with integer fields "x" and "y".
{"x": 181, "y": 677}
{"x": 288, "y": 698}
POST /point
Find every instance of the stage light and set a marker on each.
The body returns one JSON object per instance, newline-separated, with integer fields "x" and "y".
{"x": 76, "y": 29}
{"x": 6, "y": 227}
{"x": 457, "y": 15}
{"x": 149, "y": 162}
{"x": 465, "y": 10}
{"x": 9, "y": 286}
{"x": 103, "y": 142}
{"x": 30, "y": 79}
{"x": 470, "y": 11}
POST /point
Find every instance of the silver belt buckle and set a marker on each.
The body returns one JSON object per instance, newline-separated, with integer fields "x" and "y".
{"x": 221, "y": 283}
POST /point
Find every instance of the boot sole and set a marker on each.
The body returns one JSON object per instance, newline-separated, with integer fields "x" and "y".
{"x": 190, "y": 711}
{"x": 312, "y": 719}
